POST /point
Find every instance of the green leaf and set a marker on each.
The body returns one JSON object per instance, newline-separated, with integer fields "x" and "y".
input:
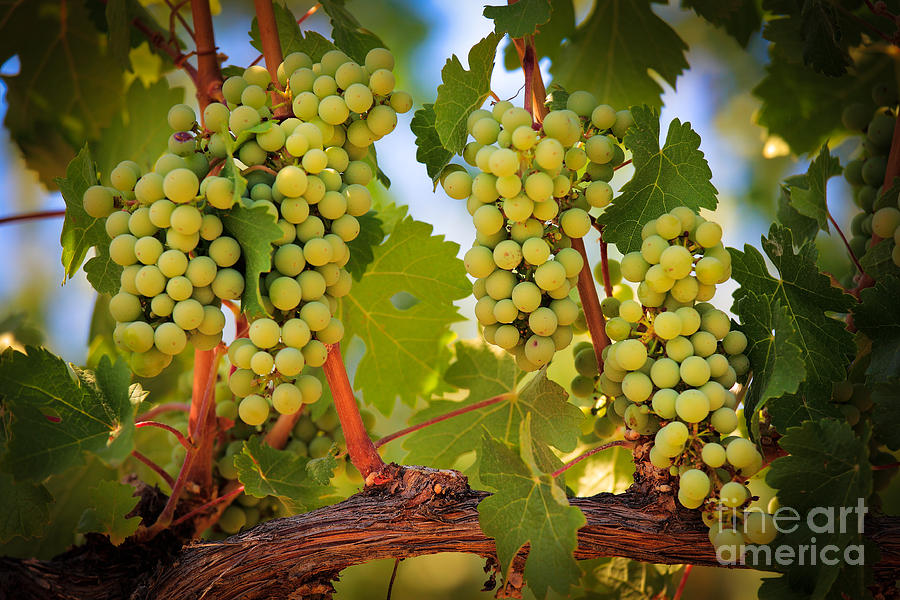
{"x": 550, "y": 35}
{"x": 24, "y": 508}
{"x": 809, "y": 197}
{"x": 140, "y": 130}
{"x": 628, "y": 40}
{"x": 404, "y": 347}
{"x": 292, "y": 38}
{"x": 675, "y": 175}
{"x": 739, "y": 18}
{"x": 811, "y": 403}
{"x": 256, "y": 230}
{"x": 102, "y": 273}
{"x": 119, "y": 28}
{"x": 91, "y": 412}
{"x": 817, "y": 101}
{"x": 112, "y": 503}
{"x": 429, "y": 150}
{"x": 265, "y": 471}
{"x": 528, "y": 507}
{"x": 371, "y": 234}
{"x": 815, "y": 33}
{"x": 886, "y": 413}
{"x": 462, "y": 92}
{"x": 802, "y": 227}
{"x": 486, "y": 375}
{"x": 878, "y": 261}
{"x": 81, "y": 231}
{"x": 617, "y": 578}
{"x": 53, "y": 106}
{"x": 805, "y": 294}
{"x": 519, "y": 19}
{"x": 877, "y": 316}
{"x": 351, "y": 37}
{"x": 777, "y": 359}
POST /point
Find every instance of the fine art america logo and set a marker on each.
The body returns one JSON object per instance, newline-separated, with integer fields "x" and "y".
{"x": 822, "y": 520}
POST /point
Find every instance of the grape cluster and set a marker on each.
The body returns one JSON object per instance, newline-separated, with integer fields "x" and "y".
{"x": 309, "y": 171}
{"x": 671, "y": 367}
{"x": 529, "y": 199}
{"x": 880, "y": 214}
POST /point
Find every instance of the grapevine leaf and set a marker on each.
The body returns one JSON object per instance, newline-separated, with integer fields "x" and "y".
{"x": 58, "y": 414}
{"x": 675, "y": 175}
{"x": 462, "y": 92}
{"x": 371, "y": 234}
{"x": 528, "y": 507}
{"x": 486, "y": 375}
{"x": 141, "y": 129}
{"x": 404, "y": 341}
{"x": 617, "y": 578}
{"x": 550, "y": 35}
{"x": 119, "y": 28}
{"x": 629, "y": 40}
{"x": 739, "y": 18}
{"x": 112, "y": 503}
{"x": 826, "y": 472}
{"x": 886, "y": 413}
{"x": 348, "y": 34}
{"x": 22, "y": 328}
{"x": 321, "y": 470}
{"x": 876, "y": 315}
{"x": 557, "y": 99}
{"x": 808, "y": 195}
{"x": 429, "y": 150}
{"x": 815, "y": 32}
{"x": 102, "y": 273}
{"x": 817, "y": 100}
{"x": 53, "y": 107}
{"x": 265, "y": 471}
{"x": 805, "y": 294}
{"x": 777, "y": 359}
{"x": 811, "y": 403}
{"x": 519, "y": 19}
{"x": 293, "y": 39}
{"x": 80, "y": 230}
{"x": 877, "y": 260}
{"x": 803, "y": 227}
{"x": 24, "y": 508}
{"x": 255, "y": 230}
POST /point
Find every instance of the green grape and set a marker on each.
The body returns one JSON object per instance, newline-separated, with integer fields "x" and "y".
{"x": 658, "y": 459}
{"x": 634, "y": 267}
{"x": 715, "y": 393}
{"x": 708, "y": 234}
{"x": 549, "y": 154}
{"x": 618, "y": 329}
{"x": 543, "y": 321}
{"x": 598, "y": 194}
{"x": 286, "y": 398}
{"x": 310, "y": 388}
{"x": 885, "y": 222}
{"x": 139, "y": 336}
{"x": 149, "y": 281}
{"x": 264, "y": 333}
{"x": 316, "y": 315}
{"x": 667, "y": 325}
{"x": 741, "y": 452}
{"x": 181, "y": 185}
{"x": 663, "y": 402}
{"x": 624, "y": 120}
{"x": 181, "y": 117}
{"x": 213, "y": 321}
{"x": 125, "y": 307}
{"x": 507, "y": 255}
{"x": 694, "y": 371}
{"x": 703, "y": 343}
{"x": 262, "y": 362}
{"x": 586, "y": 362}
{"x": 665, "y": 373}
{"x": 126, "y": 280}
{"x": 148, "y": 250}
{"x": 505, "y": 311}
{"x": 458, "y": 185}
{"x": 169, "y": 338}
{"x": 873, "y": 170}
{"x": 295, "y": 333}
{"x": 211, "y": 227}
{"x": 284, "y": 293}
{"x": 676, "y": 261}
{"x": 242, "y": 382}
{"x": 566, "y": 311}
{"x": 603, "y": 117}
{"x": 694, "y": 484}
{"x": 98, "y": 201}
{"x": 253, "y": 410}
{"x": 179, "y": 288}
{"x": 479, "y": 261}
{"x": 715, "y": 322}
{"x": 331, "y": 333}
{"x": 188, "y": 314}
{"x": 333, "y": 110}
{"x": 673, "y": 434}
{"x": 692, "y": 406}
{"x": 713, "y": 455}
{"x": 710, "y": 270}
{"x": 117, "y": 223}
{"x": 550, "y": 275}
{"x": 162, "y": 305}
{"x": 724, "y": 420}
{"x": 734, "y": 342}
{"x": 631, "y": 354}
{"x": 500, "y": 284}
{"x": 518, "y": 208}
{"x": 631, "y": 311}
{"x": 759, "y": 528}
{"x": 575, "y": 222}
{"x": 201, "y": 271}
{"x": 381, "y": 82}
{"x": 539, "y": 350}
{"x": 312, "y": 284}
{"x": 637, "y": 387}
{"x": 733, "y": 494}
{"x": 679, "y": 348}
{"x": 610, "y": 307}
{"x": 401, "y": 102}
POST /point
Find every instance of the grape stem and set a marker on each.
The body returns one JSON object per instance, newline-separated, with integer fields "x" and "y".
{"x": 306, "y": 15}
{"x": 604, "y": 261}
{"x": 444, "y": 417}
{"x": 175, "y": 13}
{"x": 32, "y": 216}
{"x": 178, "y": 435}
{"x": 202, "y": 422}
{"x": 158, "y": 469}
{"x": 268, "y": 35}
{"x": 846, "y": 243}
{"x": 205, "y": 507}
{"x": 278, "y": 435}
{"x": 590, "y": 304}
{"x": 209, "y": 76}
{"x": 393, "y": 577}
{"x": 624, "y": 164}
{"x": 528, "y": 68}
{"x": 588, "y": 454}
{"x": 359, "y": 445}
{"x": 170, "y": 47}
{"x": 684, "y": 579}
{"x": 886, "y": 467}
{"x": 163, "y": 408}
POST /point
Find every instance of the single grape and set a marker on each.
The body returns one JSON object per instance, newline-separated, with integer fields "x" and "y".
{"x": 694, "y": 483}
{"x": 692, "y": 406}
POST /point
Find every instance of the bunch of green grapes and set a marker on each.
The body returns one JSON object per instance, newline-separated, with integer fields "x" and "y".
{"x": 865, "y": 173}
{"x": 529, "y": 199}
{"x": 178, "y": 261}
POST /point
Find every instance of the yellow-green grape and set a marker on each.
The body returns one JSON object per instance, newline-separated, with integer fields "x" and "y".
{"x": 631, "y": 354}
{"x": 169, "y": 338}
{"x": 663, "y": 403}
{"x": 634, "y": 267}
{"x": 139, "y": 336}
{"x": 733, "y": 494}
{"x": 759, "y": 527}
{"x": 181, "y": 185}
{"x": 598, "y": 194}
{"x": 692, "y": 406}
{"x": 264, "y": 333}
{"x": 724, "y": 420}
{"x": 713, "y": 455}
{"x": 549, "y": 154}
{"x": 694, "y": 371}
{"x": 539, "y": 350}
{"x": 458, "y": 185}
{"x": 262, "y": 362}
{"x": 694, "y": 484}
{"x": 253, "y": 410}
{"x": 664, "y": 373}
{"x": 228, "y": 284}
{"x": 734, "y": 342}
{"x": 401, "y": 102}
{"x": 741, "y": 452}
{"x": 295, "y": 333}
{"x": 310, "y": 388}
{"x": 98, "y": 201}
{"x": 286, "y": 398}
{"x": 637, "y": 387}
{"x": 188, "y": 314}
{"x": 181, "y": 117}
{"x": 708, "y": 234}
{"x": 289, "y": 361}
{"x": 667, "y": 325}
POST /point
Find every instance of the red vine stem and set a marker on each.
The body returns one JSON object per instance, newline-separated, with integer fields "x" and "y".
{"x": 590, "y": 304}
{"x": 624, "y": 164}
{"x": 175, "y": 13}
{"x": 444, "y": 417}
{"x": 359, "y": 445}
{"x": 202, "y": 423}
{"x": 846, "y": 243}
{"x": 180, "y": 436}
{"x": 886, "y": 467}
{"x": 268, "y": 35}
{"x": 164, "y": 408}
{"x": 179, "y": 59}
{"x": 587, "y": 454}
{"x": 33, "y": 216}
{"x": 604, "y": 264}
{"x": 306, "y": 15}
{"x": 159, "y": 470}
{"x": 277, "y": 437}
{"x": 209, "y": 80}
{"x": 528, "y": 62}
{"x": 203, "y": 508}
{"x": 684, "y": 579}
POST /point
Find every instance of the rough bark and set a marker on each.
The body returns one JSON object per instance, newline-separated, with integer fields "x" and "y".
{"x": 421, "y": 511}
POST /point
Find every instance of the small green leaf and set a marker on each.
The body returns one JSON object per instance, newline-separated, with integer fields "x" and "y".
{"x": 809, "y": 197}
{"x": 886, "y": 413}
{"x": 528, "y": 507}
{"x": 550, "y": 35}
{"x": 351, "y": 37}
{"x": 404, "y": 347}
{"x": 878, "y": 261}
{"x": 812, "y": 402}
{"x": 628, "y": 40}
{"x": 675, "y": 175}
{"x": 265, "y": 471}
{"x": 462, "y": 92}
{"x": 877, "y": 316}
{"x": 57, "y": 414}
{"x": 739, "y": 18}
{"x": 777, "y": 359}
{"x": 429, "y": 150}
{"x": 802, "y": 227}
{"x": 617, "y": 578}
{"x": 519, "y": 19}
{"x": 371, "y": 234}
{"x": 292, "y": 38}
{"x": 256, "y": 230}
{"x": 24, "y": 508}
{"x": 119, "y": 28}
{"x": 806, "y": 294}
{"x": 112, "y": 502}
{"x": 321, "y": 470}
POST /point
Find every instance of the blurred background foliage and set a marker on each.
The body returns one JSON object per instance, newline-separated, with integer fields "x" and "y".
{"x": 50, "y": 110}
